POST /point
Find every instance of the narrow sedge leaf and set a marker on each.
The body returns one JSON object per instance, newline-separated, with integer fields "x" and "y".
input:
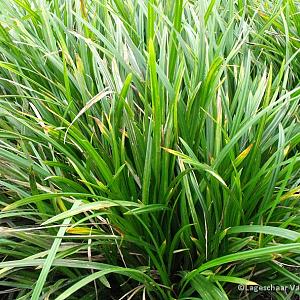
{"x": 276, "y": 231}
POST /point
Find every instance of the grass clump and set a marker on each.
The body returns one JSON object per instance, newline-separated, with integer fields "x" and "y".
{"x": 149, "y": 149}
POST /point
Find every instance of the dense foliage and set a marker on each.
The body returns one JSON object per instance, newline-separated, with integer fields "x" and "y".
{"x": 149, "y": 149}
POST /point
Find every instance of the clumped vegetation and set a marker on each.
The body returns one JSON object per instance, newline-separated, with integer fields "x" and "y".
{"x": 149, "y": 149}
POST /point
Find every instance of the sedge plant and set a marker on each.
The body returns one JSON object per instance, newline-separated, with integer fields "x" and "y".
{"x": 149, "y": 149}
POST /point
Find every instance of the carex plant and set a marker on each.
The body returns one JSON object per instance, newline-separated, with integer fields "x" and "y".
{"x": 149, "y": 149}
